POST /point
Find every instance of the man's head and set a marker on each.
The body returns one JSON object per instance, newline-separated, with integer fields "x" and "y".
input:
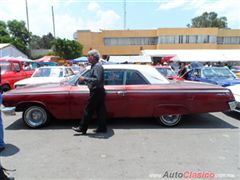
{"x": 93, "y": 56}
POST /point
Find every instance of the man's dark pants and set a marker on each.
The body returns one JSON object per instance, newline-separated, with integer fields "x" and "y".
{"x": 96, "y": 103}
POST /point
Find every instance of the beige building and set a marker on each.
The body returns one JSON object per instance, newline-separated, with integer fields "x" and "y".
{"x": 131, "y": 42}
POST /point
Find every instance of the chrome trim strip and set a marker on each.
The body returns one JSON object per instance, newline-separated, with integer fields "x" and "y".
{"x": 32, "y": 93}
{"x": 128, "y": 91}
{"x": 177, "y": 91}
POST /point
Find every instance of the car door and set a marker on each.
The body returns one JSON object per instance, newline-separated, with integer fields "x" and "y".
{"x": 17, "y": 73}
{"x": 116, "y": 102}
{"x": 115, "y": 94}
{"x": 139, "y": 101}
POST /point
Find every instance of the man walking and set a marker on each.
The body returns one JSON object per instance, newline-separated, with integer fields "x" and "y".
{"x": 96, "y": 100}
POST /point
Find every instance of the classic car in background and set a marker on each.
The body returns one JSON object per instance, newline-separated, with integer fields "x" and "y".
{"x": 12, "y": 71}
{"x": 168, "y": 72}
{"x": 221, "y": 76}
{"x": 132, "y": 91}
{"x": 236, "y": 93}
{"x": 236, "y": 70}
{"x": 47, "y": 74}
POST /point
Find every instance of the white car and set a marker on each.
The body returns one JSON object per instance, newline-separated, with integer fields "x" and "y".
{"x": 48, "y": 74}
{"x": 236, "y": 92}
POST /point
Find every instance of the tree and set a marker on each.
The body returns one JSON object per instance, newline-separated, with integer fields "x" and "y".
{"x": 19, "y": 34}
{"x": 4, "y": 35}
{"x": 209, "y": 20}
{"x": 47, "y": 41}
{"x": 35, "y": 42}
{"x": 67, "y": 49}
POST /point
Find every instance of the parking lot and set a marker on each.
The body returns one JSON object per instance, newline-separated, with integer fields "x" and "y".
{"x": 132, "y": 149}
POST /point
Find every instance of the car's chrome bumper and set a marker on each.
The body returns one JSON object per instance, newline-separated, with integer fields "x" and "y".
{"x": 237, "y": 109}
{"x": 8, "y": 111}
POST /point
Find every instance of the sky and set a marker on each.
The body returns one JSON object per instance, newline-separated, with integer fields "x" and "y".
{"x": 97, "y": 15}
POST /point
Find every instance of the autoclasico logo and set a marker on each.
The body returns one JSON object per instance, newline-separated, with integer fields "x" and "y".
{"x": 189, "y": 174}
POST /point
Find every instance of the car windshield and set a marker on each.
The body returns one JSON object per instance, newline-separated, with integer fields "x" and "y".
{"x": 48, "y": 72}
{"x": 224, "y": 72}
{"x": 218, "y": 72}
{"x": 75, "y": 78}
{"x": 166, "y": 72}
{"x": 5, "y": 66}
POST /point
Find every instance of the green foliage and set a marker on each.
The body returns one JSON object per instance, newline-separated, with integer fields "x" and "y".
{"x": 67, "y": 49}
{"x": 46, "y": 41}
{"x": 16, "y": 33}
{"x": 48, "y": 54}
{"x": 35, "y": 42}
{"x": 209, "y": 20}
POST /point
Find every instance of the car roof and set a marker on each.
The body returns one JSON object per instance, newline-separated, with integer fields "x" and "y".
{"x": 53, "y": 67}
{"x": 148, "y": 71}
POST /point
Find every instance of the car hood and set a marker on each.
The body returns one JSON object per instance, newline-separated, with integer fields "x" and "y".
{"x": 225, "y": 82}
{"x": 39, "y": 80}
{"x": 38, "y": 88}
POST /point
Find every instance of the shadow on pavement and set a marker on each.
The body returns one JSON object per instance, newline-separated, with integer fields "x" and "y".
{"x": 9, "y": 150}
{"x": 194, "y": 121}
{"x": 232, "y": 114}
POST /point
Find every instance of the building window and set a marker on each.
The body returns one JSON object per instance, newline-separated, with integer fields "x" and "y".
{"x": 187, "y": 39}
{"x": 228, "y": 40}
{"x": 130, "y": 41}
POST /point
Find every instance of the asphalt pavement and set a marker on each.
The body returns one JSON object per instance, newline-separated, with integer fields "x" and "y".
{"x": 202, "y": 145}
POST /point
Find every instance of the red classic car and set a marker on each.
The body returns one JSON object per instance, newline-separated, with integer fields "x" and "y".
{"x": 132, "y": 91}
{"x": 168, "y": 72}
{"x": 11, "y": 72}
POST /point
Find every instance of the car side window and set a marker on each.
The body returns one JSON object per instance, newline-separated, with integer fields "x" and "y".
{"x": 16, "y": 67}
{"x": 85, "y": 74}
{"x": 134, "y": 78}
{"x": 68, "y": 72}
{"x": 113, "y": 77}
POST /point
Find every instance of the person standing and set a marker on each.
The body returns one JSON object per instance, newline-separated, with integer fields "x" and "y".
{"x": 2, "y": 145}
{"x": 96, "y": 100}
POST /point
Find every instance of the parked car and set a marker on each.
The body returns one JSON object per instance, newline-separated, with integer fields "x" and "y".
{"x": 236, "y": 70}
{"x": 221, "y": 76}
{"x": 11, "y": 72}
{"x": 131, "y": 91}
{"x": 168, "y": 72}
{"x": 236, "y": 93}
{"x": 47, "y": 74}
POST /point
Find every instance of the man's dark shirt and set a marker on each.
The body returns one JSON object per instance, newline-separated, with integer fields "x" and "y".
{"x": 95, "y": 80}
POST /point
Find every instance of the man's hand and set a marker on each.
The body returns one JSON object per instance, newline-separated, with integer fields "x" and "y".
{"x": 81, "y": 78}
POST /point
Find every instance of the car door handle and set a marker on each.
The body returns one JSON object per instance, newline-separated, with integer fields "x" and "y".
{"x": 122, "y": 93}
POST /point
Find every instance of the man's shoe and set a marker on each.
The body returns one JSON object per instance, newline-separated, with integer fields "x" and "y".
{"x": 100, "y": 130}
{"x": 79, "y": 130}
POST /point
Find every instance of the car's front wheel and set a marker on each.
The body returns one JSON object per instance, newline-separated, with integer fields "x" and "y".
{"x": 35, "y": 117}
{"x": 169, "y": 120}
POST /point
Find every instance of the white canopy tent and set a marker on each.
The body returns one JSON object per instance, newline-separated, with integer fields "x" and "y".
{"x": 130, "y": 59}
{"x": 200, "y": 55}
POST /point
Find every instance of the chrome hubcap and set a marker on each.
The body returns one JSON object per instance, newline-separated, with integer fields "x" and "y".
{"x": 35, "y": 116}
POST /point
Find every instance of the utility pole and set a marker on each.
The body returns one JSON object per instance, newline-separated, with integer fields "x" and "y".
{"x": 54, "y": 34}
{"x": 29, "y": 42}
{"x": 124, "y": 14}
{"x": 27, "y": 14}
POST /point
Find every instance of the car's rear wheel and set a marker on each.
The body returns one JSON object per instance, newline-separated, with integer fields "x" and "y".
{"x": 35, "y": 117}
{"x": 169, "y": 120}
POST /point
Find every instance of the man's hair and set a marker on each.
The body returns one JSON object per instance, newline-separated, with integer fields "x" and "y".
{"x": 94, "y": 53}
